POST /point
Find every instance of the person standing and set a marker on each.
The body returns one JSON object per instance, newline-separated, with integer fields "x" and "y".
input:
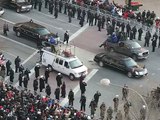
{"x": 48, "y": 90}
{"x": 59, "y": 79}
{"x": 109, "y": 113}
{"x": 154, "y": 44}
{"x": 128, "y": 29}
{"x": 71, "y": 97}
{"x": 25, "y": 81}
{"x": 70, "y": 14}
{"x": 119, "y": 115}
{"x": 134, "y": 29}
{"x": 5, "y": 29}
{"x": 8, "y": 66}
{"x": 78, "y": 12}
{"x": 17, "y": 62}
{"x": 56, "y": 12}
{"x": 35, "y": 4}
{"x": 73, "y": 11}
{"x": 11, "y": 75}
{"x": 99, "y": 23}
{"x": 126, "y": 109}
{"x": 116, "y": 103}
{"x": 21, "y": 68}
{"x": 66, "y": 37}
{"x": 46, "y": 75}
{"x": 35, "y": 85}
{"x": 39, "y": 5}
{"x": 147, "y": 39}
{"x": 51, "y": 6}
{"x": 143, "y": 113}
{"x": 60, "y": 6}
{"x": 96, "y": 97}
{"x": 27, "y": 72}
{"x": 125, "y": 92}
{"x": 41, "y": 83}
{"x": 123, "y": 27}
{"x": 140, "y": 31}
{"x": 3, "y": 69}
{"x": 82, "y": 86}
{"x": 20, "y": 78}
{"x": 102, "y": 110}
{"x": 103, "y": 21}
{"x": 83, "y": 103}
{"x": 36, "y": 70}
{"x": 92, "y": 105}
{"x": 57, "y": 93}
{"x": 63, "y": 90}
{"x": 81, "y": 22}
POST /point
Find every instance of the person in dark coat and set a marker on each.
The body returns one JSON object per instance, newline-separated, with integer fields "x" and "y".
{"x": 84, "y": 14}
{"x": 65, "y": 8}
{"x": 91, "y": 18}
{"x": 51, "y": 6}
{"x": 134, "y": 29}
{"x": 60, "y": 6}
{"x": 63, "y": 90}
{"x": 59, "y": 79}
{"x": 140, "y": 31}
{"x": 39, "y": 5}
{"x": 103, "y": 21}
{"x": 46, "y": 75}
{"x": 17, "y": 62}
{"x": 147, "y": 39}
{"x": 73, "y": 11}
{"x": 20, "y": 78}
{"x": 35, "y": 4}
{"x": 36, "y": 69}
{"x": 96, "y": 97}
{"x": 26, "y": 72}
{"x": 11, "y": 75}
{"x": 83, "y": 103}
{"x": 56, "y": 12}
{"x": 41, "y": 83}
{"x": 99, "y": 24}
{"x": 154, "y": 44}
{"x": 21, "y": 68}
{"x": 5, "y": 29}
{"x": 35, "y": 85}
{"x": 88, "y": 15}
{"x": 8, "y": 66}
{"x": 128, "y": 29}
{"x": 70, "y": 14}
{"x": 71, "y": 97}
{"x": 122, "y": 27}
{"x": 48, "y": 90}
{"x": 82, "y": 85}
{"x": 66, "y": 37}
{"x": 57, "y": 93}
{"x": 81, "y": 22}
{"x": 46, "y": 3}
{"x": 92, "y": 106}
{"x": 25, "y": 81}
{"x": 95, "y": 18}
{"x": 79, "y": 13}
{"x": 131, "y": 35}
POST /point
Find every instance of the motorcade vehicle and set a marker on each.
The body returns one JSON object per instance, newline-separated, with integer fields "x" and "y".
{"x": 1, "y": 11}
{"x": 17, "y": 5}
{"x": 122, "y": 63}
{"x": 34, "y": 31}
{"x": 128, "y": 48}
{"x": 65, "y": 63}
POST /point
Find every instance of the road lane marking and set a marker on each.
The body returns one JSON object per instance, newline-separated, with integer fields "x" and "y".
{"x": 7, "y": 20}
{"x": 76, "y": 89}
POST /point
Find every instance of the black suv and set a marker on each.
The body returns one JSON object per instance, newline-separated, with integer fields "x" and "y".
{"x": 18, "y": 5}
{"x": 121, "y": 62}
{"x": 33, "y": 30}
{"x": 128, "y": 48}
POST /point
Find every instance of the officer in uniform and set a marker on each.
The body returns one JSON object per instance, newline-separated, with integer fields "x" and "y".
{"x": 140, "y": 31}
{"x": 8, "y": 66}
{"x": 92, "y": 105}
{"x": 17, "y": 63}
{"x": 125, "y": 92}
{"x": 134, "y": 29}
{"x": 41, "y": 83}
{"x": 83, "y": 102}
{"x": 48, "y": 90}
{"x": 71, "y": 97}
{"x": 40, "y": 5}
{"x": 35, "y": 85}
{"x": 56, "y": 12}
{"x": 46, "y": 75}
{"x": 147, "y": 39}
{"x": 116, "y": 103}
{"x": 109, "y": 113}
{"x": 11, "y": 75}
{"x": 36, "y": 69}
{"x": 96, "y": 97}
{"x": 60, "y": 6}
{"x": 20, "y": 78}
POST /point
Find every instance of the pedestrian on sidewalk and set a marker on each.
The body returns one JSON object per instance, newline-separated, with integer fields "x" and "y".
{"x": 102, "y": 110}
{"x": 36, "y": 70}
{"x": 46, "y": 73}
{"x": 70, "y": 14}
{"x": 17, "y": 62}
{"x": 25, "y": 81}
{"x": 83, "y": 103}
{"x": 21, "y": 68}
{"x": 119, "y": 115}
{"x": 5, "y": 28}
{"x": 20, "y": 78}
{"x": 96, "y": 97}
{"x": 116, "y": 103}
{"x": 27, "y": 72}
{"x": 92, "y": 107}
{"x": 71, "y": 97}
{"x": 147, "y": 39}
{"x": 82, "y": 85}
{"x": 56, "y": 12}
{"x": 63, "y": 90}
{"x": 143, "y": 113}
{"x": 125, "y": 92}
{"x": 35, "y": 85}
{"x": 109, "y": 113}
{"x": 140, "y": 31}
{"x": 59, "y": 79}
{"x": 48, "y": 90}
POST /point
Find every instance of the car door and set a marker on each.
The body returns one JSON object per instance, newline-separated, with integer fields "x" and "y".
{"x": 66, "y": 68}
{"x": 121, "y": 66}
{"x": 61, "y": 66}
{"x": 123, "y": 48}
{"x": 56, "y": 64}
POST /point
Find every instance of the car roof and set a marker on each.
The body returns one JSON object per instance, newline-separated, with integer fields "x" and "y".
{"x": 32, "y": 25}
{"x": 117, "y": 56}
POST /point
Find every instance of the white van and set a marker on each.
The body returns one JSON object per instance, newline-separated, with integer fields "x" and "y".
{"x": 69, "y": 65}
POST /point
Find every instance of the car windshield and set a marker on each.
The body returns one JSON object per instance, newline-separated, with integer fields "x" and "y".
{"x": 135, "y": 45}
{"x": 20, "y": 1}
{"x": 75, "y": 63}
{"x": 43, "y": 31}
{"x": 130, "y": 63}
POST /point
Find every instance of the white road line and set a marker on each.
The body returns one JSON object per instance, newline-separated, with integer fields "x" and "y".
{"x": 7, "y": 21}
{"x": 79, "y": 32}
{"x": 17, "y": 42}
{"x": 57, "y": 19}
{"x": 76, "y": 89}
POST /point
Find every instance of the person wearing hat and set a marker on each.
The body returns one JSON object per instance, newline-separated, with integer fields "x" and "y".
{"x": 46, "y": 75}
{"x": 71, "y": 97}
{"x": 41, "y": 83}
{"x": 36, "y": 69}
{"x": 143, "y": 113}
{"x": 35, "y": 85}
{"x": 48, "y": 90}
{"x": 125, "y": 92}
{"x": 116, "y": 102}
{"x": 66, "y": 37}
{"x": 59, "y": 79}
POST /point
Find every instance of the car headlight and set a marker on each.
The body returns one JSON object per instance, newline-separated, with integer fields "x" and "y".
{"x": 140, "y": 54}
{"x": 136, "y": 73}
{"x": 23, "y": 7}
{"x": 29, "y": 6}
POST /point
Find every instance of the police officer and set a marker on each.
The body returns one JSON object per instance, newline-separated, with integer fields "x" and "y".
{"x": 26, "y": 72}
{"x": 35, "y": 85}
{"x": 59, "y": 79}
{"x": 46, "y": 3}
{"x": 66, "y": 37}
{"x": 46, "y": 75}
{"x": 91, "y": 18}
{"x": 56, "y": 12}
{"x": 17, "y": 63}
{"x": 99, "y": 23}
{"x": 25, "y": 81}
{"x": 88, "y": 15}
{"x": 140, "y": 31}
{"x": 71, "y": 97}
{"x": 21, "y": 68}
{"x": 48, "y": 90}
{"x": 122, "y": 27}
{"x": 134, "y": 29}
{"x": 95, "y": 18}
{"x": 92, "y": 105}
{"x": 82, "y": 86}
{"x": 36, "y": 69}
{"x": 154, "y": 44}
{"x": 51, "y": 6}
{"x": 125, "y": 92}
{"x": 103, "y": 21}
{"x": 116, "y": 103}
{"x": 8, "y": 66}
{"x": 65, "y": 8}
{"x": 96, "y": 97}
{"x": 128, "y": 29}
{"x": 60, "y": 6}
{"x": 73, "y": 11}
{"x": 147, "y": 39}
{"x": 5, "y": 29}
{"x": 57, "y": 93}
{"x": 102, "y": 110}
{"x": 109, "y": 113}
{"x": 20, "y": 78}
{"x": 131, "y": 35}
{"x": 40, "y": 5}
{"x": 119, "y": 115}
{"x": 63, "y": 90}
{"x": 78, "y": 12}
{"x": 84, "y": 14}
{"x": 81, "y": 22}
{"x": 70, "y": 14}
{"x": 11, "y": 75}
{"x": 83, "y": 102}
{"x": 41, "y": 83}
{"x": 143, "y": 113}
{"x": 35, "y": 4}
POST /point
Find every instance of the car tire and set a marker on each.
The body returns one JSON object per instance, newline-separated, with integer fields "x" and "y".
{"x": 18, "y": 10}
{"x": 18, "y": 34}
{"x": 134, "y": 57}
{"x": 129, "y": 74}
{"x": 50, "y": 68}
{"x": 101, "y": 64}
{"x": 71, "y": 77}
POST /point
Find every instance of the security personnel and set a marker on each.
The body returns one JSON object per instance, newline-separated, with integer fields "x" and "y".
{"x": 46, "y": 3}
{"x": 128, "y": 29}
{"x": 35, "y": 4}
{"x": 125, "y": 92}
{"x": 48, "y": 90}
{"x": 109, "y": 113}
{"x": 65, "y": 8}
{"x": 96, "y": 97}
{"x": 17, "y": 62}
{"x": 99, "y": 23}
{"x": 154, "y": 44}
{"x": 59, "y": 79}
{"x": 25, "y": 81}
{"x": 81, "y": 22}
{"x": 26, "y": 72}
{"x": 66, "y": 37}
{"x": 46, "y": 75}
{"x": 134, "y": 29}
{"x": 57, "y": 93}
{"x": 79, "y": 13}
{"x": 60, "y": 6}
{"x": 21, "y": 68}
{"x": 84, "y": 14}
{"x": 41, "y": 83}
{"x": 40, "y": 5}
{"x": 103, "y": 21}
{"x": 71, "y": 97}
{"x": 36, "y": 69}
{"x": 63, "y": 90}
{"x": 51, "y": 6}
{"x": 8, "y": 66}
{"x": 147, "y": 38}
{"x": 140, "y": 31}
{"x": 35, "y": 85}
{"x": 73, "y": 11}
{"x": 92, "y": 105}
{"x": 88, "y": 15}
{"x": 56, "y": 12}
{"x": 20, "y": 78}
{"x": 70, "y": 14}
{"x": 83, "y": 103}
{"x": 116, "y": 103}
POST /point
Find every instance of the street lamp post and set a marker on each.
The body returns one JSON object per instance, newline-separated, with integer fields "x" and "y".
{"x": 107, "y": 82}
